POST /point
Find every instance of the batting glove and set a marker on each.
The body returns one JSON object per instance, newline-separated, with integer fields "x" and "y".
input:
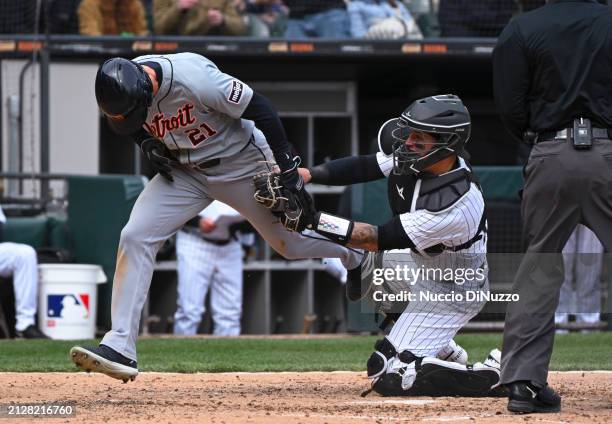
{"x": 159, "y": 156}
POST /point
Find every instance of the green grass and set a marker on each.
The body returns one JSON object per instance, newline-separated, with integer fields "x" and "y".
{"x": 572, "y": 352}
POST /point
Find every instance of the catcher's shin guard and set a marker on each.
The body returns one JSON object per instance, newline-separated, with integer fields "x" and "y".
{"x": 435, "y": 377}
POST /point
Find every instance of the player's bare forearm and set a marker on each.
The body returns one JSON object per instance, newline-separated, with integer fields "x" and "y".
{"x": 364, "y": 236}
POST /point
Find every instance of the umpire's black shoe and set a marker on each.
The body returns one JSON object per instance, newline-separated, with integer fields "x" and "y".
{"x": 526, "y": 398}
{"x": 31, "y": 332}
{"x": 105, "y": 360}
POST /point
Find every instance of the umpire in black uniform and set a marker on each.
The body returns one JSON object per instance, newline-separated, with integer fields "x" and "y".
{"x": 552, "y": 73}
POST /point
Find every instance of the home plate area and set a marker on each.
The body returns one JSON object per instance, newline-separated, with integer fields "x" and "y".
{"x": 285, "y": 397}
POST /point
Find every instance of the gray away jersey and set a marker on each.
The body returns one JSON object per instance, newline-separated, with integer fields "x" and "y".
{"x": 197, "y": 110}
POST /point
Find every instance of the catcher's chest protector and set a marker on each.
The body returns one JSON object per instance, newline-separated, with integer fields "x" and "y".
{"x": 407, "y": 193}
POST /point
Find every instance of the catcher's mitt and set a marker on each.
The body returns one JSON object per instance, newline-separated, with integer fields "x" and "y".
{"x": 294, "y": 208}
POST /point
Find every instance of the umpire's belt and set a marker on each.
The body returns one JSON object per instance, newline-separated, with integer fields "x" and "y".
{"x": 563, "y": 134}
{"x": 217, "y": 242}
{"x": 205, "y": 164}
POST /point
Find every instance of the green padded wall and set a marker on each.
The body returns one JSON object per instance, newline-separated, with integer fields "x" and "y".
{"x": 27, "y": 230}
{"x": 98, "y": 208}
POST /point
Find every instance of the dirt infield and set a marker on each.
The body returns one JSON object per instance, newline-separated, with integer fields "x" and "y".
{"x": 315, "y": 397}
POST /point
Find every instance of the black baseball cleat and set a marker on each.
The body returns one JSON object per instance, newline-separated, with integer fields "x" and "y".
{"x": 104, "y": 360}
{"x": 526, "y": 398}
{"x": 31, "y": 332}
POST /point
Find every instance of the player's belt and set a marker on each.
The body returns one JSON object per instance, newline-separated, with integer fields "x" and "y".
{"x": 217, "y": 242}
{"x": 207, "y": 164}
{"x": 563, "y": 134}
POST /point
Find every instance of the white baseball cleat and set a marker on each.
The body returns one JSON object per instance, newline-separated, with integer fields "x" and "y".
{"x": 104, "y": 360}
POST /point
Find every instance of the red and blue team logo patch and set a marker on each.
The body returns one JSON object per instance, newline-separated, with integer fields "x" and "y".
{"x": 68, "y": 305}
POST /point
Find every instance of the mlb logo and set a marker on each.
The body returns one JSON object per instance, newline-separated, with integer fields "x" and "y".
{"x": 72, "y": 306}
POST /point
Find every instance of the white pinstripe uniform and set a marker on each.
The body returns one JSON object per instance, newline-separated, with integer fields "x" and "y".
{"x": 427, "y": 328}
{"x": 204, "y": 265}
{"x": 581, "y": 289}
{"x": 19, "y": 260}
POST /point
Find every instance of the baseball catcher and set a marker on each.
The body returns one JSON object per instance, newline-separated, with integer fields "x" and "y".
{"x": 436, "y": 238}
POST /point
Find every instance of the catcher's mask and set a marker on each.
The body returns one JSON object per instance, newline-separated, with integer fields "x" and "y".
{"x": 124, "y": 93}
{"x": 429, "y": 130}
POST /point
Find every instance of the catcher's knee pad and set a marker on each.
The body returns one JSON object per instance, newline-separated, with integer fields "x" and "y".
{"x": 379, "y": 360}
{"x": 442, "y": 378}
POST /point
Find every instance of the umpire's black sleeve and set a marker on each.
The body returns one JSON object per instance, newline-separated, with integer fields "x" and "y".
{"x": 348, "y": 170}
{"x": 511, "y": 80}
{"x": 263, "y": 113}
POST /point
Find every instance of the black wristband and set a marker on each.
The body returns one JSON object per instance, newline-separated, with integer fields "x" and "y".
{"x": 335, "y": 228}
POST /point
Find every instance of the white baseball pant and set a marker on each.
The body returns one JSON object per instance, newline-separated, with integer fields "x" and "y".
{"x": 19, "y": 260}
{"x": 202, "y": 266}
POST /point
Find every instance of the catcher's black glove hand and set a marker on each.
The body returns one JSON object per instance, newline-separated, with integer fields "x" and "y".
{"x": 294, "y": 207}
{"x": 159, "y": 156}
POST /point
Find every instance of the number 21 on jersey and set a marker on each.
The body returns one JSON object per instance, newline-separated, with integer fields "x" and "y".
{"x": 198, "y": 135}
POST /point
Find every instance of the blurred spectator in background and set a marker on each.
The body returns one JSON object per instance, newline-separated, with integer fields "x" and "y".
{"x": 425, "y": 15}
{"x": 264, "y": 18}
{"x": 18, "y": 17}
{"x": 148, "y": 6}
{"x": 19, "y": 261}
{"x": 317, "y": 18}
{"x": 381, "y": 20}
{"x": 209, "y": 256}
{"x": 63, "y": 16}
{"x": 581, "y": 290}
{"x": 112, "y": 17}
{"x": 474, "y": 18}
{"x": 197, "y": 17}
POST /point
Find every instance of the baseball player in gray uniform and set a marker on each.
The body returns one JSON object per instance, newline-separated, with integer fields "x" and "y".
{"x": 207, "y": 133}
{"x": 435, "y": 244}
{"x": 209, "y": 257}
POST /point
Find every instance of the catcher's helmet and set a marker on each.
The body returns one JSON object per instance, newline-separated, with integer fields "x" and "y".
{"x": 124, "y": 93}
{"x": 445, "y": 121}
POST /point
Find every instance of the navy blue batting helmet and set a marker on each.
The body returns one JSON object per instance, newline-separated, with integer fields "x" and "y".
{"x": 124, "y": 93}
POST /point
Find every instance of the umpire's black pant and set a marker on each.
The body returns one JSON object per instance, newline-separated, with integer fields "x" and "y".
{"x": 563, "y": 187}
